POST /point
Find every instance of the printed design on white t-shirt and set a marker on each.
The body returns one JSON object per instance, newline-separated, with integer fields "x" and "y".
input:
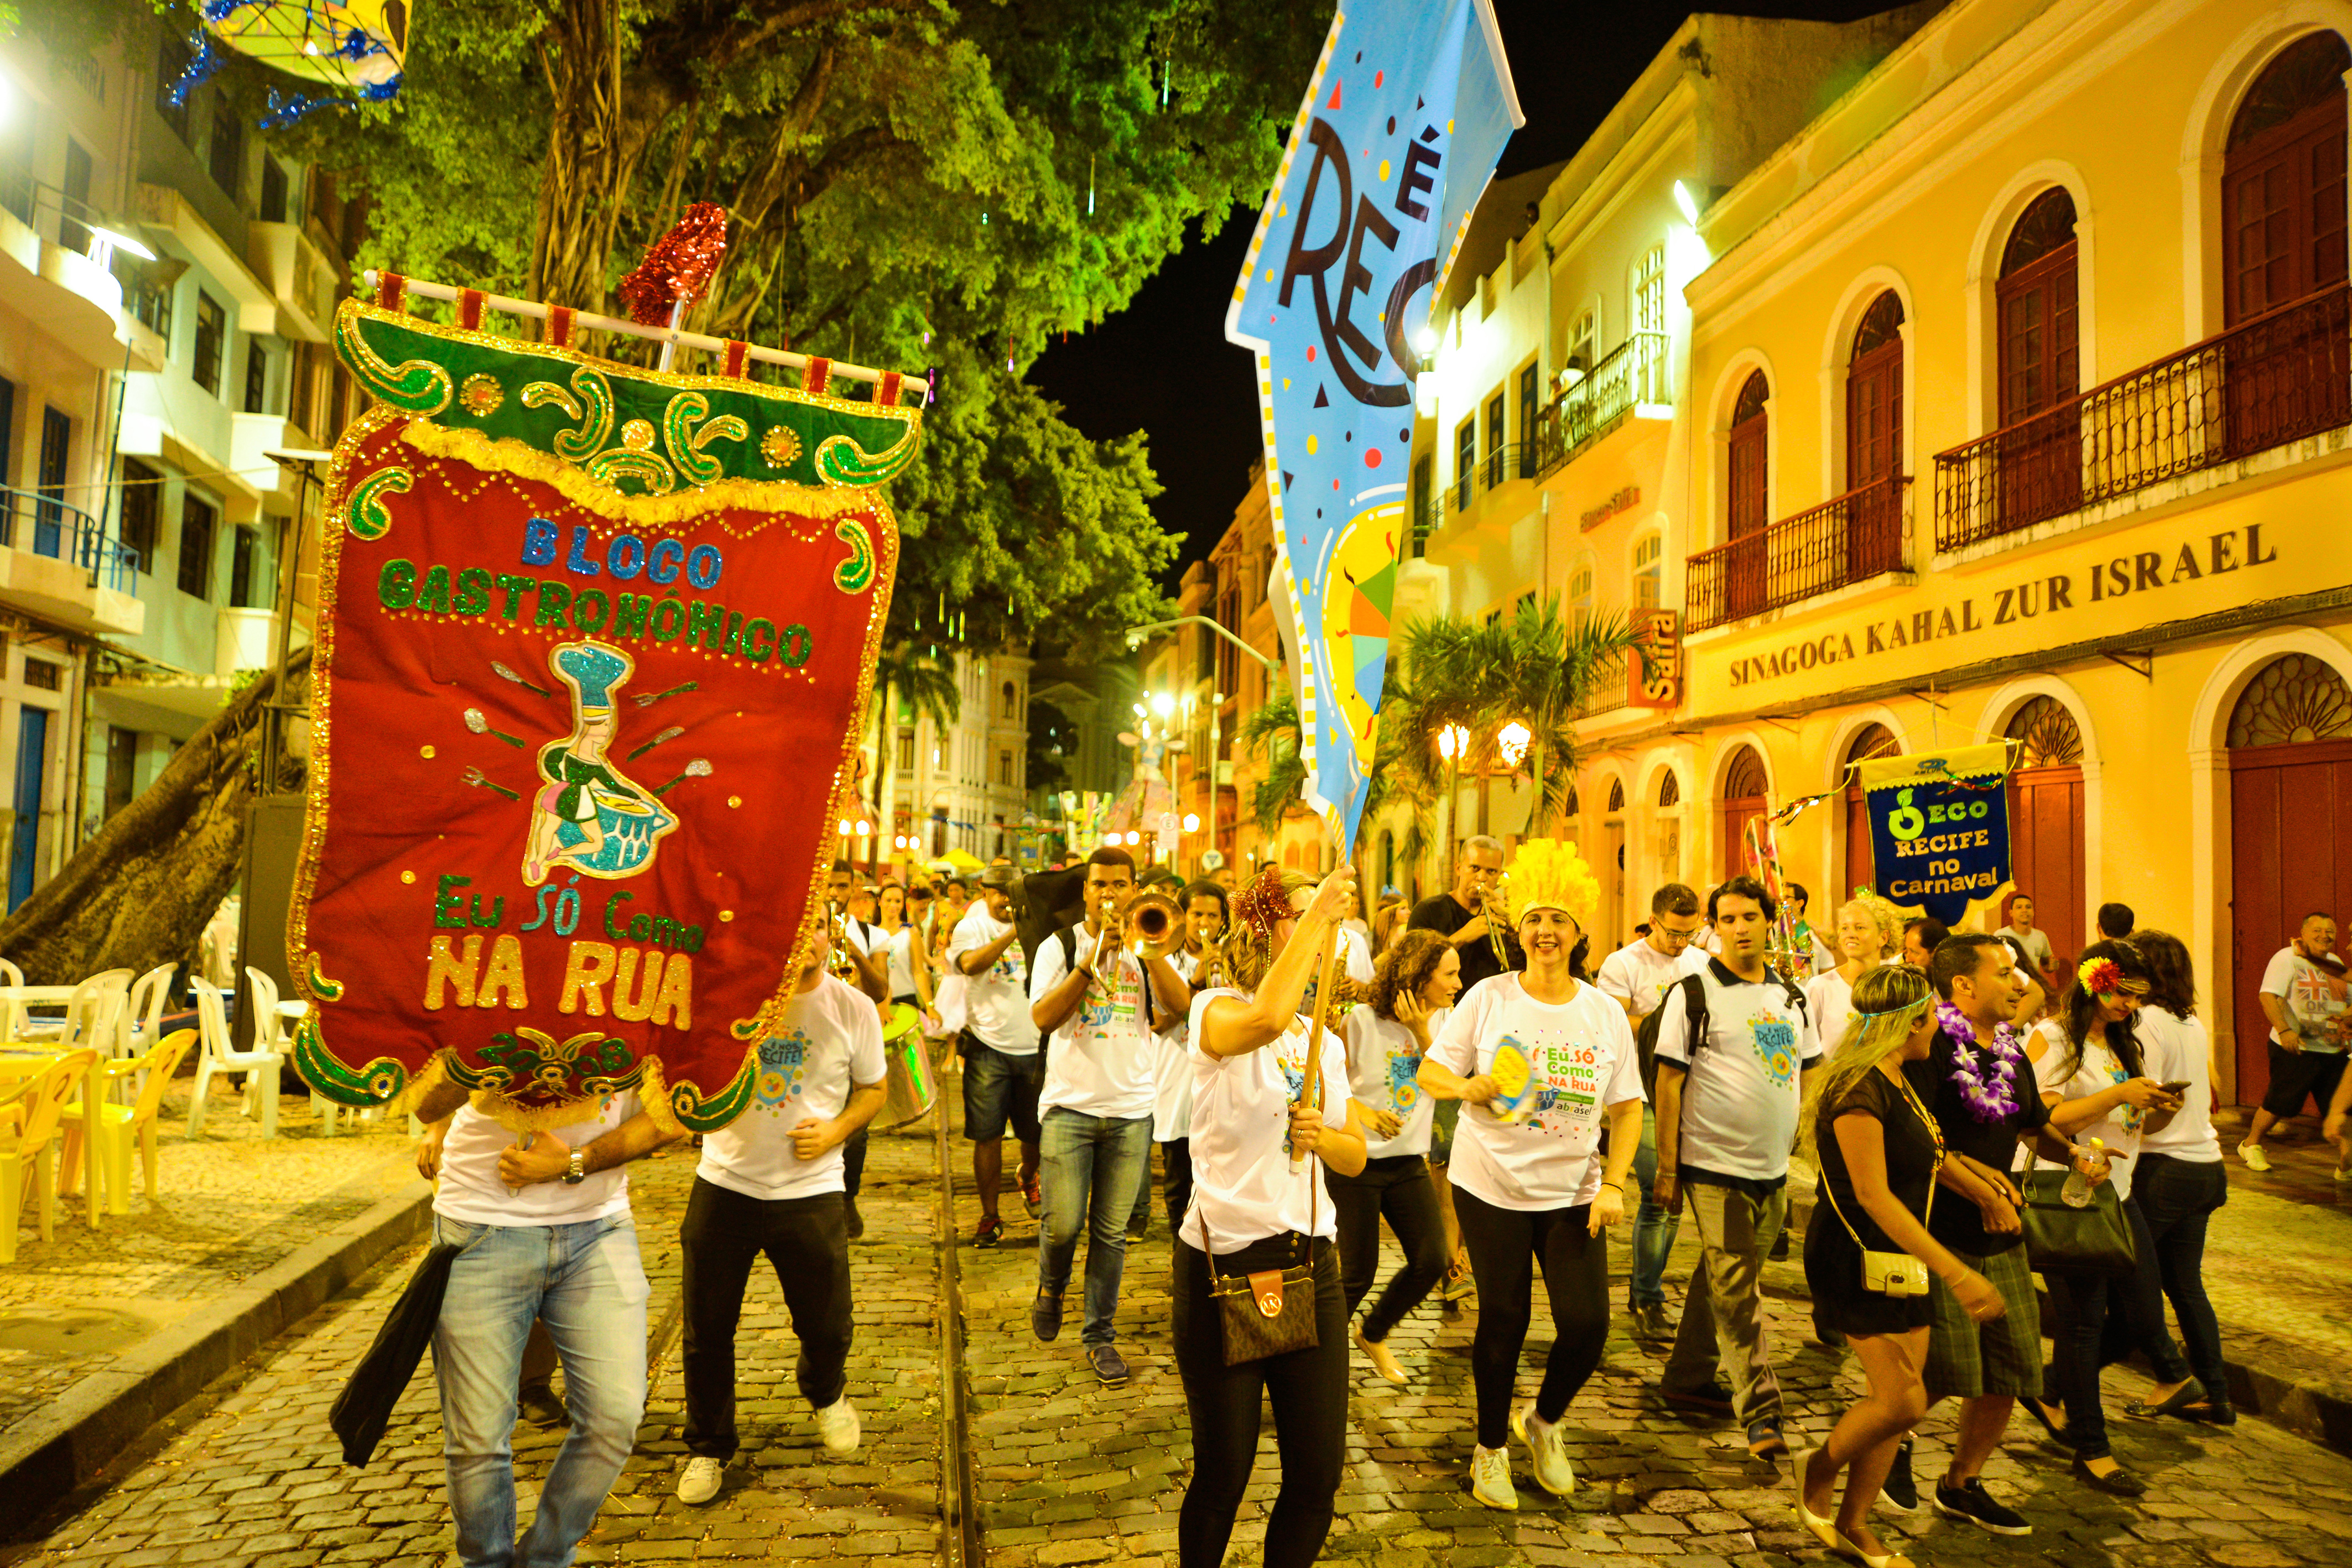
{"x": 1290, "y": 1055}
{"x": 2314, "y": 996}
{"x": 1564, "y": 1081}
{"x": 783, "y": 1066}
{"x": 1404, "y": 1081}
{"x": 1775, "y": 1042}
{"x": 1010, "y": 967}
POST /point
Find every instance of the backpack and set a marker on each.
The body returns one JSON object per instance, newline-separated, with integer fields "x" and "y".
{"x": 1693, "y": 992}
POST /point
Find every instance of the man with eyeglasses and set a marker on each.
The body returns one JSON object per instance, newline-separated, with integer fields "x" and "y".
{"x": 1639, "y": 975}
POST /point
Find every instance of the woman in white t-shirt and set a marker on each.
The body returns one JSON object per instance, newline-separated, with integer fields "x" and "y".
{"x": 1257, "y": 1207}
{"x": 1412, "y": 986}
{"x": 2089, "y": 1066}
{"x": 1861, "y": 943}
{"x": 1171, "y": 1067}
{"x": 2180, "y": 1180}
{"x": 1529, "y": 1186}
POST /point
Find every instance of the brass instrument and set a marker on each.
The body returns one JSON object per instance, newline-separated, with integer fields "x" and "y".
{"x": 1151, "y": 916}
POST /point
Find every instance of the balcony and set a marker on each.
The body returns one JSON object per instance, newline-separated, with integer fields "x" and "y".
{"x": 59, "y": 565}
{"x": 1611, "y": 690}
{"x": 1630, "y": 377}
{"x": 2278, "y": 378}
{"x": 297, "y": 275}
{"x": 1858, "y": 536}
{"x": 165, "y": 208}
{"x": 51, "y": 274}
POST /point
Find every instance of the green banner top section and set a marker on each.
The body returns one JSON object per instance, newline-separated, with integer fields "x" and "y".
{"x": 628, "y": 431}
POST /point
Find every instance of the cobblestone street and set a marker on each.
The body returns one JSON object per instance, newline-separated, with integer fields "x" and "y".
{"x": 1067, "y": 1472}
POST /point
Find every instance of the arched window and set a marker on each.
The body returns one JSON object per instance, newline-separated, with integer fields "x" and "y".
{"x": 1743, "y": 789}
{"x": 1874, "y": 395}
{"x": 1580, "y": 588}
{"x": 1616, "y": 794}
{"x": 2283, "y": 181}
{"x": 2050, "y": 736}
{"x": 2035, "y": 300}
{"x": 1750, "y": 495}
{"x": 1861, "y": 868}
{"x": 2291, "y": 701}
{"x": 1670, "y": 790}
{"x": 1650, "y": 291}
{"x": 1649, "y": 563}
{"x": 1012, "y": 701}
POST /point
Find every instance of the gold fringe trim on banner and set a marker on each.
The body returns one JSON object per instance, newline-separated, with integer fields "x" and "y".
{"x": 592, "y": 494}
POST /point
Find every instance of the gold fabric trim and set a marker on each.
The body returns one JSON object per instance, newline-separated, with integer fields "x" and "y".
{"x": 583, "y": 490}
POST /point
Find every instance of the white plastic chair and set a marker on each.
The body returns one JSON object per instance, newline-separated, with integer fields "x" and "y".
{"x": 96, "y": 1015}
{"x": 273, "y": 1025}
{"x": 12, "y": 1011}
{"x": 260, "y": 1066}
{"x": 143, "y": 1016}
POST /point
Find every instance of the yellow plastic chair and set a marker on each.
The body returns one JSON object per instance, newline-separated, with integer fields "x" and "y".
{"x": 119, "y": 1125}
{"x": 28, "y": 1126}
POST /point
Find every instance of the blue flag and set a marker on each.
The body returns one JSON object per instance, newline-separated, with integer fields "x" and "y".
{"x": 1407, "y": 110}
{"x": 1939, "y": 826}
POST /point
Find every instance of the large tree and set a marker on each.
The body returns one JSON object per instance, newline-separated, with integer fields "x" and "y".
{"x": 910, "y": 183}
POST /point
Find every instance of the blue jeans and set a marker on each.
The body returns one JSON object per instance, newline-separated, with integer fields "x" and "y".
{"x": 585, "y": 1282}
{"x": 1654, "y": 1228}
{"x": 1089, "y": 1169}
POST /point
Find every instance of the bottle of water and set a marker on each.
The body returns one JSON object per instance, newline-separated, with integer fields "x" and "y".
{"x": 2076, "y": 1193}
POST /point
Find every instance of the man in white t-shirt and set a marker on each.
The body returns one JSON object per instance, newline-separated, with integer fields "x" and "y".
{"x": 1100, "y": 1006}
{"x": 999, "y": 1044}
{"x": 544, "y": 1221}
{"x": 2303, "y": 995}
{"x": 2035, "y": 943}
{"x": 1638, "y": 976}
{"x": 1726, "y": 1120}
{"x": 770, "y": 1182}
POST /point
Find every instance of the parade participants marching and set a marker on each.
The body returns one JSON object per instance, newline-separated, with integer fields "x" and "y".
{"x": 1197, "y": 964}
{"x": 999, "y": 1045}
{"x": 1258, "y": 1217}
{"x": 770, "y": 1182}
{"x": 2089, "y": 1066}
{"x": 1879, "y": 1153}
{"x": 1978, "y": 1086}
{"x": 1734, "y": 1041}
{"x": 1639, "y": 975}
{"x": 544, "y": 1221}
{"x": 1412, "y": 988}
{"x": 1094, "y": 992}
{"x": 1528, "y": 1187}
{"x": 867, "y": 948}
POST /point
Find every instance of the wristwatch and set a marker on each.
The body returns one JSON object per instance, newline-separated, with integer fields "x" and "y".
{"x": 578, "y": 1172}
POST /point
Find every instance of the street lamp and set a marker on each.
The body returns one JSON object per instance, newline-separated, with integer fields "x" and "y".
{"x": 1452, "y": 742}
{"x": 1138, "y": 636}
{"x": 1192, "y": 821}
{"x": 1512, "y": 741}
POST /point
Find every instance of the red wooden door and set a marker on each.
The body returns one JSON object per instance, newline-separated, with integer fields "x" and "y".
{"x": 1744, "y": 565}
{"x": 1735, "y": 816}
{"x": 2284, "y": 230}
{"x": 2045, "y": 853}
{"x": 1860, "y": 865}
{"x": 2041, "y": 459}
{"x": 2290, "y": 854}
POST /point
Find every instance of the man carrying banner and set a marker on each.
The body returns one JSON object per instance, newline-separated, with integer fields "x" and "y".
{"x": 544, "y": 1221}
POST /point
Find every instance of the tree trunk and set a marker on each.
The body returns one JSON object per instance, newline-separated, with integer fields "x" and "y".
{"x": 141, "y": 892}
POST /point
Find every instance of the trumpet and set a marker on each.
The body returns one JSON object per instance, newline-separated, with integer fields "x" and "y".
{"x": 837, "y": 961}
{"x": 1150, "y": 916}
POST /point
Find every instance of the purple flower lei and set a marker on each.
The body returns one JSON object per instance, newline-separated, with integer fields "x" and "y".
{"x": 1986, "y": 1102}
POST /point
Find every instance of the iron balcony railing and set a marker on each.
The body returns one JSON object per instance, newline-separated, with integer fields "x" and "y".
{"x": 1858, "y": 536}
{"x": 1610, "y": 688}
{"x": 1632, "y": 373}
{"x": 2284, "y": 376}
{"x": 48, "y": 525}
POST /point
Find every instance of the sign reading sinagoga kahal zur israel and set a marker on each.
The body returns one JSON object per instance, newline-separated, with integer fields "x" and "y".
{"x": 2013, "y": 602}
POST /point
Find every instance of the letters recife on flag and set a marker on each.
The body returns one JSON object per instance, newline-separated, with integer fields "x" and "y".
{"x": 1939, "y": 826}
{"x": 591, "y": 640}
{"x": 1407, "y": 110}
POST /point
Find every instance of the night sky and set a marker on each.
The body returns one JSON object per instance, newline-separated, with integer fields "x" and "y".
{"x": 1163, "y": 364}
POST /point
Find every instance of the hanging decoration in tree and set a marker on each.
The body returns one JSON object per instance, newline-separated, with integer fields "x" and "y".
{"x": 591, "y": 644}
{"x": 355, "y": 47}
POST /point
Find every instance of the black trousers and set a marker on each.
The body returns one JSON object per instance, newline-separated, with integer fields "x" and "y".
{"x": 2099, "y": 1319}
{"x": 1308, "y": 1390}
{"x": 853, "y": 1163}
{"x": 2177, "y": 1197}
{"x": 808, "y": 1246}
{"x": 1176, "y": 1160}
{"x": 1397, "y": 1189}
{"x": 1505, "y": 1246}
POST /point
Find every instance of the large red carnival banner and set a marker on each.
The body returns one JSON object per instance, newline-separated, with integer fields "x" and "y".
{"x": 591, "y": 642}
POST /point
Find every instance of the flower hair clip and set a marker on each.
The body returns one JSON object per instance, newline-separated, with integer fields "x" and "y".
{"x": 2100, "y": 976}
{"x": 1260, "y": 904}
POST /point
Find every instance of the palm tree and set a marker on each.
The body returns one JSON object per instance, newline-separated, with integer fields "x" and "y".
{"x": 1272, "y": 732}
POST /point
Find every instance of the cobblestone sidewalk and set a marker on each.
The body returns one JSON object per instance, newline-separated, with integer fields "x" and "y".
{"x": 228, "y": 1206}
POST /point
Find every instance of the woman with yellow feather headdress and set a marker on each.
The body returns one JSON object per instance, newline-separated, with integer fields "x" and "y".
{"x": 1542, "y": 1062}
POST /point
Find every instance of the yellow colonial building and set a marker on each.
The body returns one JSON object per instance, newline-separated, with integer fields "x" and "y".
{"x": 2015, "y": 403}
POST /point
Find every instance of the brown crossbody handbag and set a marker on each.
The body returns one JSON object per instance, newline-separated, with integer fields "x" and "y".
{"x": 1272, "y": 1311}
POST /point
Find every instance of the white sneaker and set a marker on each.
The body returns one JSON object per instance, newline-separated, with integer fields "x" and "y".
{"x": 1490, "y": 1478}
{"x": 837, "y": 1425}
{"x": 2256, "y": 1160}
{"x": 1546, "y": 1451}
{"x": 697, "y": 1483}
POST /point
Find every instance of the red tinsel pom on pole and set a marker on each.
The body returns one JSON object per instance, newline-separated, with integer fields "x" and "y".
{"x": 679, "y": 265}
